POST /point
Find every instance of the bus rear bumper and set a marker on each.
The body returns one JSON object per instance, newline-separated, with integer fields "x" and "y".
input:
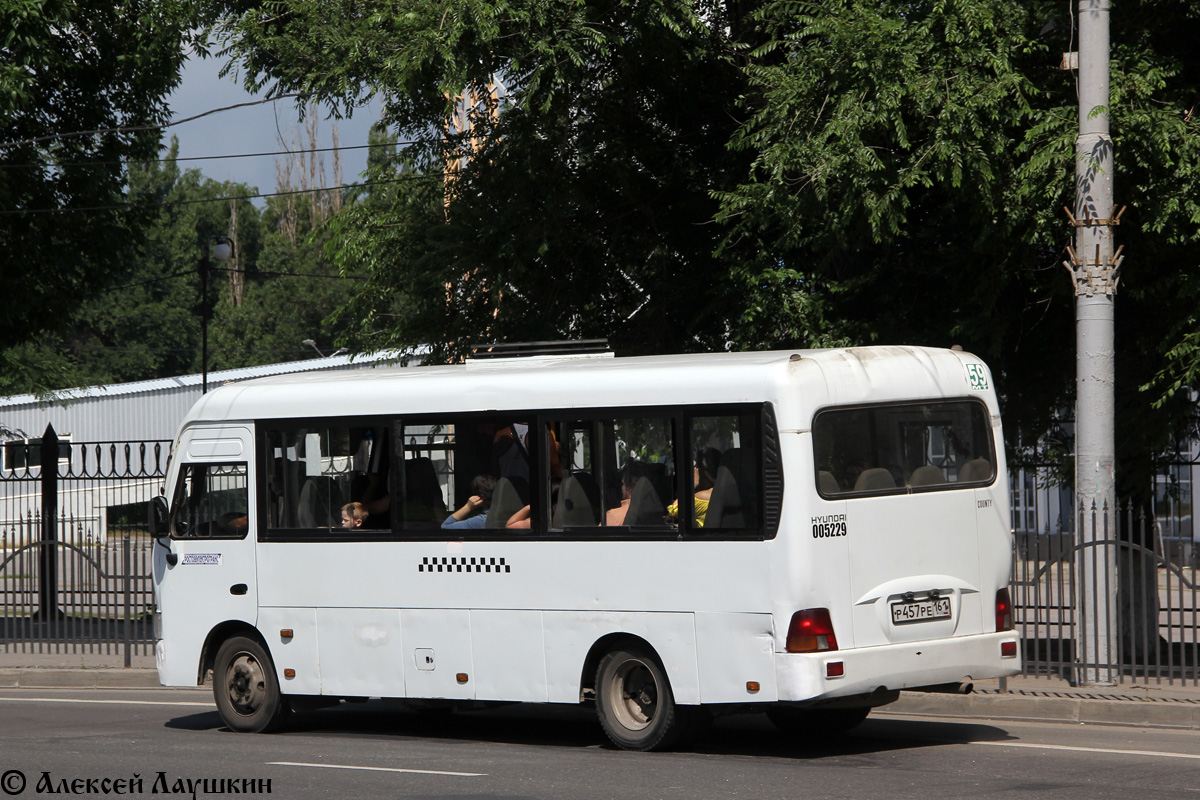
{"x": 913, "y": 665}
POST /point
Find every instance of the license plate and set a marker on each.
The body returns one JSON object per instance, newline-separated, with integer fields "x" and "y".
{"x": 929, "y": 610}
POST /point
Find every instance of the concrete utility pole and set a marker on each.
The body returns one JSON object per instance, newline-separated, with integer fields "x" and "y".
{"x": 1095, "y": 272}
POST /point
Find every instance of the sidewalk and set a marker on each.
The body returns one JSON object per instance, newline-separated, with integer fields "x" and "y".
{"x": 1158, "y": 705}
{"x": 1038, "y": 699}
{"x": 76, "y": 671}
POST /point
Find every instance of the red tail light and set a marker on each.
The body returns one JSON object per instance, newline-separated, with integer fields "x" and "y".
{"x": 1004, "y": 619}
{"x": 811, "y": 631}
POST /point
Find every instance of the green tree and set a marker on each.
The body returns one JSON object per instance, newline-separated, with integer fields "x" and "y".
{"x": 147, "y": 323}
{"x": 911, "y": 165}
{"x": 292, "y": 294}
{"x": 580, "y": 200}
{"x": 79, "y": 82}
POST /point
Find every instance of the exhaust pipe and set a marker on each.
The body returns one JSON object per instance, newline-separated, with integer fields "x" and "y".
{"x": 957, "y": 687}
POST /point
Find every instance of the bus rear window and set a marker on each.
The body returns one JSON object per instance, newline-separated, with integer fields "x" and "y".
{"x": 902, "y": 447}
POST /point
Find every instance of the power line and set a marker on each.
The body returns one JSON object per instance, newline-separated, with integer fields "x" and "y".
{"x": 136, "y": 128}
{"x": 203, "y": 158}
{"x": 173, "y": 203}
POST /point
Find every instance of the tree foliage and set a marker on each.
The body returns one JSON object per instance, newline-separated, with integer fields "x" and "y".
{"x": 579, "y": 203}
{"x": 911, "y": 163}
{"x": 79, "y": 82}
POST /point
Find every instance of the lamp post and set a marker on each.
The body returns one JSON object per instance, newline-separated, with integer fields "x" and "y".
{"x": 1095, "y": 271}
{"x": 311, "y": 343}
{"x": 220, "y": 248}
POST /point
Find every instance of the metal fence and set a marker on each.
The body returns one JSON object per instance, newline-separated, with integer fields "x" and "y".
{"x": 75, "y": 554}
{"x": 1111, "y": 604}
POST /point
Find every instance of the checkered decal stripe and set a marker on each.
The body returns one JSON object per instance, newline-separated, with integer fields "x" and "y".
{"x": 462, "y": 564}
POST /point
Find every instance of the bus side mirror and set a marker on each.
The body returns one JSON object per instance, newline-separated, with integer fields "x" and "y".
{"x": 159, "y": 517}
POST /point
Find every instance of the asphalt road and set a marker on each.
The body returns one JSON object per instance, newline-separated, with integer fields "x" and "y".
{"x": 61, "y": 739}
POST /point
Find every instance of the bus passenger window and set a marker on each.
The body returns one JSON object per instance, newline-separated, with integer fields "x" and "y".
{"x": 313, "y": 471}
{"x": 639, "y": 473}
{"x": 727, "y": 461}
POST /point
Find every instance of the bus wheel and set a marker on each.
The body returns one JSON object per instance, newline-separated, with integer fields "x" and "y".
{"x": 634, "y": 702}
{"x": 816, "y": 723}
{"x": 246, "y": 689}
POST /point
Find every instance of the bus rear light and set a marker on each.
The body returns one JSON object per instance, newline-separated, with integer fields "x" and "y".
{"x": 835, "y": 669}
{"x": 1008, "y": 649}
{"x": 811, "y": 631}
{"x": 1004, "y": 619}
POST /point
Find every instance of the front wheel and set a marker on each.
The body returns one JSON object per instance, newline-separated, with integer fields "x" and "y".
{"x": 635, "y": 704}
{"x": 246, "y": 689}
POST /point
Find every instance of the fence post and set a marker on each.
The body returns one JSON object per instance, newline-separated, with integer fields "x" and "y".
{"x": 48, "y": 585}
{"x": 126, "y": 571}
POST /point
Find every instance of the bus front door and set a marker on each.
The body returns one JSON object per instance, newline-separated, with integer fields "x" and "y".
{"x": 206, "y": 573}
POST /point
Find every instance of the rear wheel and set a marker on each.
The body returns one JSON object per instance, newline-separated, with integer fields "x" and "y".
{"x": 246, "y": 689}
{"x": 815, "y": 724}
{"x": 635, "y": 704}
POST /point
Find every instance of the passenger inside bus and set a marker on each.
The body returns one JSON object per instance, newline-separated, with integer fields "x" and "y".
{"x": 354, "y": 515}
{"x": 473, "y": 514}
{"x": 704, "y": 476}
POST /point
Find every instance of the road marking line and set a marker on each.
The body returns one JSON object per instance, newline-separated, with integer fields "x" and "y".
{"x": 1033, "y": 746}
{"x": 377, "y": 769}
{"x": 114, "y": 702}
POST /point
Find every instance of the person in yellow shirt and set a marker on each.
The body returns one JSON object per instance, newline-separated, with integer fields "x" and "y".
{"x": 704, "y": 476}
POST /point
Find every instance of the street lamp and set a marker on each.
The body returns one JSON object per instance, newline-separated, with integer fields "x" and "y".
{"x": 220, "y": 248}
{"x": 313, "y": 345}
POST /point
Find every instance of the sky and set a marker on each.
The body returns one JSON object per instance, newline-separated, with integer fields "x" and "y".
{"x": 254, "y": 129}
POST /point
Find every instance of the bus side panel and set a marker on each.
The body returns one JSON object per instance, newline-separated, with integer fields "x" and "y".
{"x": 571, "y": 634}
{"x": 995, "y": 537}
{"x": 437, "y": 645}
{"x": 510, "y": 660}
{"x": 298, "y": 651}
{"x": 733, "y": 650}
{"x": 362, "y": 652}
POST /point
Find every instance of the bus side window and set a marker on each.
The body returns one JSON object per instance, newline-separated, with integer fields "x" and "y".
{"x": 211, "y": 501}
{"x": 727, "y": 453}
{"x": 315, "y": 470}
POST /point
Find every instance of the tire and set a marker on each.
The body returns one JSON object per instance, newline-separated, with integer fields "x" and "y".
{"x": 635, "y": 705}
{"x": 816, "y": 724}
{"x": 246, "y": 688}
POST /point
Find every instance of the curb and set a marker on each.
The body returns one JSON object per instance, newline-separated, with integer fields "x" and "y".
{"x": 79, "y": 678}
{"x": 1080, "y": 710}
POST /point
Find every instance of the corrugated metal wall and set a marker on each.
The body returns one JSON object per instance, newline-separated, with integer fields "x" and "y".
{"x": 140, "y": 411}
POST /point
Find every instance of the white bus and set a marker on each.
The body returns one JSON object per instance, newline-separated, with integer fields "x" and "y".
{"x": 843, "y": 535}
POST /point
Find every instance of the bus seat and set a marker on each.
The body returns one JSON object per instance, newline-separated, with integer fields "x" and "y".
{"x": 927, "y": 475}
{"x": 874, "y": 479}
{"x": 725, "y": 502}
{"x": 827, "y": 483}
{"x": 734, "y": 494}
{"x": 645, "y": 505}
{"x": 320, "y": 503}
{"x": 423, "y": 501}
{"x": 979, "y": 469}
{"x": 578, "y": 502}
{"x": 509, "y": 497}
